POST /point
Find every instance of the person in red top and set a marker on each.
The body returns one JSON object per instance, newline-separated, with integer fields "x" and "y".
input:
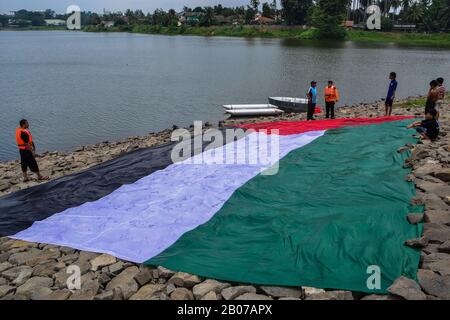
{"x": 27, "y": 149}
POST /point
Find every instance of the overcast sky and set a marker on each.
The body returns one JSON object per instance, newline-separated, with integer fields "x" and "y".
{"x": 110, "y": 5}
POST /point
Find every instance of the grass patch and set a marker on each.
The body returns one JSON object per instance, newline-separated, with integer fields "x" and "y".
{"x": 417, "y": 39}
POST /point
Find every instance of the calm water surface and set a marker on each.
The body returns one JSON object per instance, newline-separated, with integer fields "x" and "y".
{"x": 81, "y": 88}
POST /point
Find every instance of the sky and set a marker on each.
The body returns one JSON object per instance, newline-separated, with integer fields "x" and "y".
{"x": 110, "y": 5}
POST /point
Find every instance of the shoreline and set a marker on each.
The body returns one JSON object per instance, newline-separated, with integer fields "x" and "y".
{"x": 38, "y": 271}
{"x": 432, "y": 40}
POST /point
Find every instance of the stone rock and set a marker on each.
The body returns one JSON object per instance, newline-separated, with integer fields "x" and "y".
{"x": 143, "y": 277}
{"x": 210, "y": 296}
{"x": 4, "y": 290}
{"x": 182, "y": 279}
{"x": 82, "y": 295}
{"x": 102, "y": 261}
{"x": 3, "y": 281}
{"x": 207, "y": 286}
{"x": 22, "y": 244}
{"x": 58, "y": 295}
{"x": 407, "y": 289}
{"x": 445, "y": 247}
{"x": 46, "y": 269}
{"x": 21, "y": 258}
{"x": 4, "y": 256}
{"x": 442, "y": 174}
{"x": 415, "y": 218}
{"x": 438, "y": 262}
{"x": 232, "y": 293}
{"x": 35, "y": 286}
{"x": 125, "y": 281}
{"x": 436, "y": 233}
{"x": 381, "y": 297}
{"x": 87, "y": 256}
{"x": 421, "y": 242}
{"x": 148, "y": 291}
{"x": 441, "y": 189}
{"x": 107, "y": 295}
{"x": 426, "y": 169}
{"x": 434, "y": 284}
{"x": 116, "y": 268}
{"x": 18, "y": 275}
{"x": 67, "y": 250}
{"x": 331, "y": 295}
{"x": 437, "y": 216}
{"x": 253, "y": 296}
{"x": 310, "y": 291}
{"x": 170, "y": 288}
{"x": 419, "y": 152}
{"x": 5, "y": 266}
{"x": 164, "y": 273}
{"x": 181, "y": 294}
{"x": 281, "y": 292}
{"x": 433, "y": 202}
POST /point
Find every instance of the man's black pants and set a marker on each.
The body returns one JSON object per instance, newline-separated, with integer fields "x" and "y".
{"x": 28, "y": 161}
{"x": 311, "y": 109}
{"x": 329, "y": 106}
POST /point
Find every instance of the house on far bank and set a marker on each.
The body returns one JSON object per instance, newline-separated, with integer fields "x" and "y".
{"x": 190, "y": 18}
{"x": 55, "y": 23}
{"x": 108, "y": 24}
{"x": 259, "y": 19}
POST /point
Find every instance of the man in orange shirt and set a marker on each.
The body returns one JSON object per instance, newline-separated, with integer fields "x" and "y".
{"x": 26, "y": 147}
{"x": 331, "y": 98}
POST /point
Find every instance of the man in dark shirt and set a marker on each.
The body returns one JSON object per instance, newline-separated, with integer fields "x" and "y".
{"x": 391, "y": 93}
{"x": 428, "y": 128}
{"x": 27, "y": 151}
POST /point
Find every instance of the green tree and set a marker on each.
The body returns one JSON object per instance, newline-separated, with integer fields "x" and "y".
{"x": 328, "y": 16}
{"x": 255, "y": 4}
{"x": 207, "y": 19}
{"x": 267, "y": 10}
{"x": 295, "y": 12}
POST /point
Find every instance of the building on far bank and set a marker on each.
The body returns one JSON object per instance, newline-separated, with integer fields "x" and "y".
{"x": 259, "y": 19}
{"x": 55, "y": 22}
{"x": 108, "y": 24}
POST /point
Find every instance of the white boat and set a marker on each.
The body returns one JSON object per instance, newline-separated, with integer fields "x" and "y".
{"x": 290, "y": 104}
{"x": 254, "y": 112}
{"x": 248, "y": 106}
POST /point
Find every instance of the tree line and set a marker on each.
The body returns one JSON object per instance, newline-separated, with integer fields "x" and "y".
{"x": 327, "y": 16}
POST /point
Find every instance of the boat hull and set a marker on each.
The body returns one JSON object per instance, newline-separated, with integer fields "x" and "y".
{"x": 253, "y": 112}
{"x": 287, "y": 104}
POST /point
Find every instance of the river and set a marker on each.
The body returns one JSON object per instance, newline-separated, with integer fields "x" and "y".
{"x": 80, "y": 88}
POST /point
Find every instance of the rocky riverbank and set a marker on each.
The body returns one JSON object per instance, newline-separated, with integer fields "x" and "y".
{"x": 39, "y": 271}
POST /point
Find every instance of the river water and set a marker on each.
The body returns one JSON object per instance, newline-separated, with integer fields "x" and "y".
{"x": 80, "y": 88}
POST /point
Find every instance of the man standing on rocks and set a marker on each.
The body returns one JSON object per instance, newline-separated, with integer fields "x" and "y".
{"x": 312, "y": 100}
{"x": 391, "y": 93}
{"x": 27, "y": 149}
{"x": 331, "y": 98}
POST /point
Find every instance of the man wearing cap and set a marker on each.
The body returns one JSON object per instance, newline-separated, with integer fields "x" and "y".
{"x": 312, "y": 100}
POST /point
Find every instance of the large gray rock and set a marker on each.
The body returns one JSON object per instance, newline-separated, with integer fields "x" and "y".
{"x": 434, "y": 202}
{"x": 331, "y": 295}
{"x": 4, "y": 290}
{"x": 253, "y": 296}
{"x": 165, "y": 273}
{"x": 58, "y": 295}
{"x": 5, "y": 266}
{"x": 280, "y": 292}
{"x": 441, "y": 189}
{"x": 438, "y": 262}
{"x": 107, "y": 295}
{"x": 21, "y": 258}
{"x": 183, "y": 279}
{"x": 426, "y": 169}
{"x": 125, "y": 281}
{"x": 102, "y": 261}
{"x": 232, "y": 293}
{"x": 207, "y": 286}
{"x": 144, "y": 276}
{"x": 148, "y": 291}
{"x": 442, "y": 174}
{"x": 445, "y": 247}
{"x": 181, "y": 294}
{"x": 437, "y": 216}
{"x": 407, "y": 289}
{"x": 434, "y": 284}
{"x": 38, "y": 286}
{"x": 18, "y": 275}
{"x": 436, "y": 233}
{"x": 46, "y": 269}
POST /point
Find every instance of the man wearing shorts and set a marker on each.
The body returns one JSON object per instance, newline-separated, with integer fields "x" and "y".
{"x": 26, "y": 146}
{"x": 391, "y": 93}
